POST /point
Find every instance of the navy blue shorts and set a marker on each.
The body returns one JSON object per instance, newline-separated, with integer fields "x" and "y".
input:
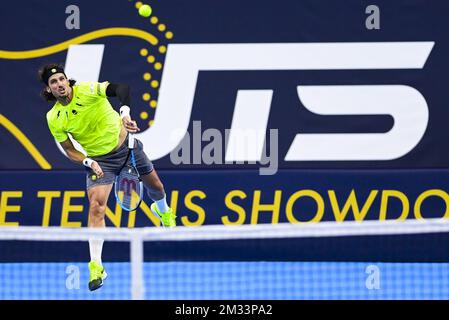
{"x": 112, "y": 162}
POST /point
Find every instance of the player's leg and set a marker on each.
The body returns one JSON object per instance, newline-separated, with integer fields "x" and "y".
{"x": 156, "y": 192}
{"x": 154, "y": 186}
{"x": 98, "y": 196}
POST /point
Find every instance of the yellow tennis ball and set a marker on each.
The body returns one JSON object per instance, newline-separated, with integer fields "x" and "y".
{"x": 145, "y": 10}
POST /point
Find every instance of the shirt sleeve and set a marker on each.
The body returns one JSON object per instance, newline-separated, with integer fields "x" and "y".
{"x": 59, "y": 134}
{"x": 98, "y": 88}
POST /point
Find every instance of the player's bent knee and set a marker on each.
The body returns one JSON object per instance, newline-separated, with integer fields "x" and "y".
{"x": 97, "y": 208}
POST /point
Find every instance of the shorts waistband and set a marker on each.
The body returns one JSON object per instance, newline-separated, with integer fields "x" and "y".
{"x": 120, "y": 149}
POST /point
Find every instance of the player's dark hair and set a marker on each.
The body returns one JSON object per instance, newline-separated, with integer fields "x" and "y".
{"x": 43, "y": 77}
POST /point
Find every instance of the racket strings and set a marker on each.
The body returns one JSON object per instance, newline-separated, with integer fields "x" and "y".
{"x": 129, "y": 188}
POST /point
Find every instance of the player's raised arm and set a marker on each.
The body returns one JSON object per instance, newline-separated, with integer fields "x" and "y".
{"x": 123, "y": 93}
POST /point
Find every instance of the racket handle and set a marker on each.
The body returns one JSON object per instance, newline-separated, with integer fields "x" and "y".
{"x": 131, "y": 141}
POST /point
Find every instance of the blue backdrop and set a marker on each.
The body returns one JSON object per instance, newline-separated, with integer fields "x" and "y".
{"x": 43, "y": 25}
{"x": 409, "y": 51}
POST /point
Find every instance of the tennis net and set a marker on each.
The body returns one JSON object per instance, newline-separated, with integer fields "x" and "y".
{"x": 328, "y": 260}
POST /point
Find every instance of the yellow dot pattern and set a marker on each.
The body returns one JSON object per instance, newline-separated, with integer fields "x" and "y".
{"x": 143, "y": 52}
{"x": 151, "y": 59}
{"x": 144, "y": 115}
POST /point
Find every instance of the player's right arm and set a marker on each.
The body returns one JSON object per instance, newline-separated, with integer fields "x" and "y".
{"x": 122, "y": 92}
{"x": 79, "y": 157}
{"x": 63, "y": 139}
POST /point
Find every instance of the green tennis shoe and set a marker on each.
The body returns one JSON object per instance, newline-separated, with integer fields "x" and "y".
{"x": 168, "y": 218}
{"x": 97, "y": 275}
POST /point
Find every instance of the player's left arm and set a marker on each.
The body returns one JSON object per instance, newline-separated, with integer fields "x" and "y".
{"x": 123, "y": 93}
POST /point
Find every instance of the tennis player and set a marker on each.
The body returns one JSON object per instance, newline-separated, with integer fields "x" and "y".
{"x": 83, "y": 110}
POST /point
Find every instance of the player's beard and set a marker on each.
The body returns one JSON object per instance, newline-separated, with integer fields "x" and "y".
{"x": 65, "y": 95}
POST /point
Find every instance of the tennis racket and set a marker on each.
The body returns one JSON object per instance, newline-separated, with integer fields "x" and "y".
{"x": 128, "y": 186}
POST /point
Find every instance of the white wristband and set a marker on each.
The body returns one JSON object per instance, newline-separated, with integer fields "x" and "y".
{"x": 88, "y": 162}
{"x": 124, "y": 111}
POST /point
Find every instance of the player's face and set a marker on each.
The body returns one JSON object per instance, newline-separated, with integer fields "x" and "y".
{"x": 59, "y": 86}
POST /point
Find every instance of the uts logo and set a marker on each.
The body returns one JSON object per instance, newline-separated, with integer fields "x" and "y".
{"x": 408, "y": 108}
{"x": 184, "y": 61}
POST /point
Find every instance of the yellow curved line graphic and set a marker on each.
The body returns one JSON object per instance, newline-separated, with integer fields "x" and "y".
{"x": 25, "y": 142}
{"x": 28, "y": 54}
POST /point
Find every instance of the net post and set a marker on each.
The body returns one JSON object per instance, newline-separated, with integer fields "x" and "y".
{"x": 137, "y": 281}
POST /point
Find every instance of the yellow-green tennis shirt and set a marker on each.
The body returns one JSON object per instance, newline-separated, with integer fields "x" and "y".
{"x": 89, "y": 118}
